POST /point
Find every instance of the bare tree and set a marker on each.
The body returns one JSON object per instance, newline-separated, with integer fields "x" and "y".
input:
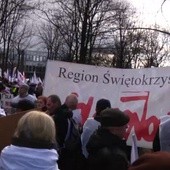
{"x": 50, "y": 36}
{"x": 11, "y": 15}
{"x": 20, "y": 41}
{"x": 80, "y": 22}
{"x": 155, "y": 49}
{"x": 82, "y": 29}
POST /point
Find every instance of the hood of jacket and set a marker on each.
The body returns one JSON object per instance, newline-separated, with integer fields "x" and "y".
{"x": 19, "y": 158}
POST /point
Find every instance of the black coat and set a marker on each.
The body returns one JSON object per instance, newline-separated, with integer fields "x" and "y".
{"x": 60, "y": 117}
{"x": 68, "y": 160}
{"x": 107, "y": 151}
{"x": 156, "y": 142}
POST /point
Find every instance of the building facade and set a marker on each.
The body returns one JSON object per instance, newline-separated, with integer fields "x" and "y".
{"x": 29, "y": 61}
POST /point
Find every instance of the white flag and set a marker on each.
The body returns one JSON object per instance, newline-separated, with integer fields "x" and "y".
{"x": 34, "y": 79}
{"x": 7, "y": 75}
{"x": 134, "y": 149}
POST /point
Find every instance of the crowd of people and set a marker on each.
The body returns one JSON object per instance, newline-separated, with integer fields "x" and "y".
{"x": 42, "y": 139}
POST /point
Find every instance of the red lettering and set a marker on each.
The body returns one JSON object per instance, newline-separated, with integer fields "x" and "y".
{"x": 141, "y": 127}
{"x": 85, "y": 109}
{"x": 144, "y": 128}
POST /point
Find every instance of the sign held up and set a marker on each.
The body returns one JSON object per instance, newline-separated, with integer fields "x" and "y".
{"x": 142, "y": 93}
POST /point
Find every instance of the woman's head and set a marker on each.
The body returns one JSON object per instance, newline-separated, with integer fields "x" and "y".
{"x": 41, "y": 103}
{"x": 36, "y": 125}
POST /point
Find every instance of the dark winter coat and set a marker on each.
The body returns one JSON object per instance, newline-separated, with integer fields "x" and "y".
{"x": 156, "y": 142}
{"x": 68, "y": 160}
{"x": 107, "y": 151}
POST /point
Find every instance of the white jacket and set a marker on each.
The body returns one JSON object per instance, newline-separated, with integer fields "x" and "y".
{"x": 88, "y": 129}
{"x": 22, "y": 158}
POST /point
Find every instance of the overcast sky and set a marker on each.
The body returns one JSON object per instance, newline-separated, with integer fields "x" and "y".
{"x": 151, "y": 11}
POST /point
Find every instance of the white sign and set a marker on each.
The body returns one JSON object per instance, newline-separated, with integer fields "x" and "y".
{"x": 144, "y": 94}
{"x": 6, "y": 100}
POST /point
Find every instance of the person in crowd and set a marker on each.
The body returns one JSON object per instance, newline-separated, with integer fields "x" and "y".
{"x": 4, "y": 89}
{"x": 162, "y": 138}
{"x": 152, "y": 161}
{"x": 31, "y": 90}
{"x": 91, "y": 124}
{"x": 39, "y": 90}
{"x": 53, "y": 104}
{"x": 60, "y": 114}
{"x": 24, "y": 105}
{"x": 71, "y": 103}
{"x": 107, "y": 147}
{"x": 33, "y": 145}
{"x": 14, "y": 89}
{"x": 70, "y": 159}
{"x": 23, "y": 94}
{"x": 41, "y": 103}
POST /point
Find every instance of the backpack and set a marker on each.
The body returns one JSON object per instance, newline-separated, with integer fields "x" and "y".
{"x": 72, "y": 141}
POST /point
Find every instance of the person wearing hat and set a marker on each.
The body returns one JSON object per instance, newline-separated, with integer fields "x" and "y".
{"x": 107, "y": 147}
{"x": 152, "y": 161}
{"x": 91, "y": 124}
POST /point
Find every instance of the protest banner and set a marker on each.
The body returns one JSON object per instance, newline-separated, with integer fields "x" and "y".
{"x": 144, "y": 94}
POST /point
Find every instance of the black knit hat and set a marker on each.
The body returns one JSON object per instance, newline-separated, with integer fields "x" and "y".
{"x": 102, "y": 104}
{"x": 112, "y": 118}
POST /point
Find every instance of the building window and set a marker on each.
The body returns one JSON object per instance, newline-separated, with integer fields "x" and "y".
{"x": 41, "y": 58}
{"x": 34, "y": 58}
{"x": 34, "y": 68}
{"x": 37, "y": 58}
{"x": 30, "y": 68}
{"x": 27, "y": 68}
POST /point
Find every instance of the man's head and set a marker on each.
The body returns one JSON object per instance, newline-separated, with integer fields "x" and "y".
{"x": 71, "y": 101}
{"x": 53, "y": 103}
{"x": 23, "y": 90}
{"x": 114, "y": 120}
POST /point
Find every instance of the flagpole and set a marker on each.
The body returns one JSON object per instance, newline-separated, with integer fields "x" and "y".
{"x": 134, "y": 149}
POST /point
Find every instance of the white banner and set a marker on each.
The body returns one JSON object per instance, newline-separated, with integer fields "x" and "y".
{"x": 142, "y": 93}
